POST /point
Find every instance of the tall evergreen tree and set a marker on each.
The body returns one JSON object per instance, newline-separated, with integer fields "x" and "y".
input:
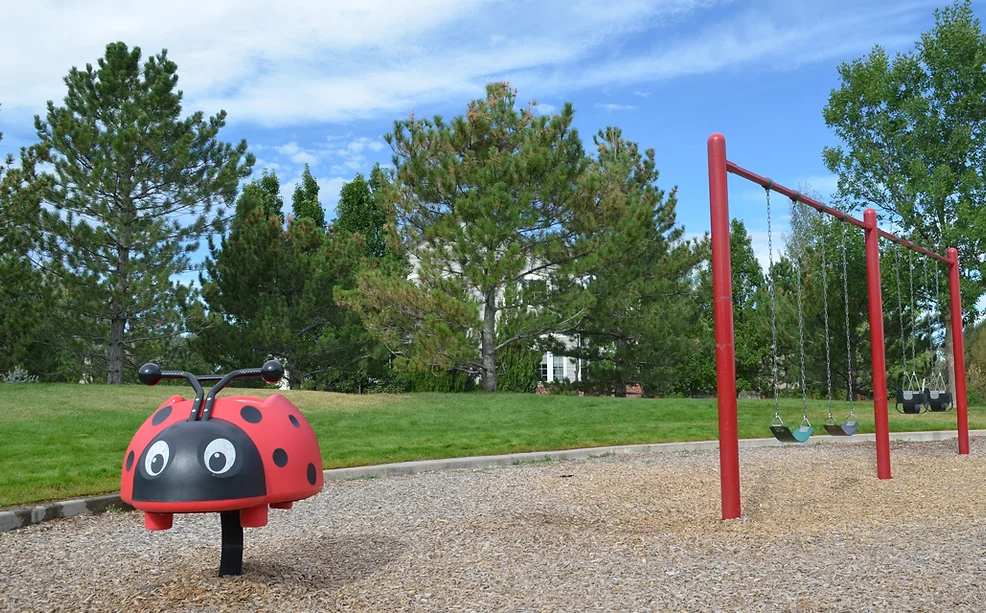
{"x": 17, "y": 276}
{"x": 264, "y": 192}
{"x": 484, "y": 203}
{"x": 358, "y": 212}
{"x": 640, "y": 280}
{"x": 751, "y": 319}
{"x": 270, "y": 290}
{"x": 132, "y": 190}
{"x": 305, "y": 203}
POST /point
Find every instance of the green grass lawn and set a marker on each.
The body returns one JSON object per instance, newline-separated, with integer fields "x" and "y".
{"x": 60, "y": 441}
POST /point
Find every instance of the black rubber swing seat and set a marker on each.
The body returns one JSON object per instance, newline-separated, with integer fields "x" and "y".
{"x": 912, "y": 401}
{"x": 847, "y": 428}
{"x": 938, "y": 400}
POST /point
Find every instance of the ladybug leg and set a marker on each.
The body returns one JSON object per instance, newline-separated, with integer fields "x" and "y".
{"x": 158, "y": 521}
{"x": 281, "y": 505}
{"x": 254, "y": 517}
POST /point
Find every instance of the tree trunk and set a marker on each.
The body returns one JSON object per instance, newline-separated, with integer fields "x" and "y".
{"x": 488, "y": 347}
{"x": 621, "y": 389}
{"x": 118, "y": 323}
{"x": 114, "y": 373}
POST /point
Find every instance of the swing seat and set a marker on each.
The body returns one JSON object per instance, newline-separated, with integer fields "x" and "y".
{"x": 912, "y": 401}
{"x": 939, "y": 400}
{"x": 787, "y": 435}
{"x": 848, "y": 428}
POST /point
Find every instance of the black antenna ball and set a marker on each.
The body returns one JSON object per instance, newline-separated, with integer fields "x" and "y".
{"x": 149, "y": 374}
{"x": 272, "y": 371}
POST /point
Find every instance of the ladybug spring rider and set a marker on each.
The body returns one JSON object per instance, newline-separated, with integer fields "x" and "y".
{"x": 236, "y": 456}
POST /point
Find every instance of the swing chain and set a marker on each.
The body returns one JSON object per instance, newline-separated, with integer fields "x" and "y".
{"x": 825, "y": 300}
{"x": 931, "y": 328}
{"x": 914, "y": 360}
{"x": 845, "y": 294}
{"x": 798, "y": 249}
{"x": 938, "y": 373}
{"x": 773, "y": 315}
{"x": 900, "y": 313}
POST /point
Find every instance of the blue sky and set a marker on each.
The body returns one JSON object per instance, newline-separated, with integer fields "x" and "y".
{"x": 321, "y": 82}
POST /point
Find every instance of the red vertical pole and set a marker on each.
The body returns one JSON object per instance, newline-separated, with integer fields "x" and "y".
{"x": 958, "y": 351}
{"x": 876, "y": 341}
{"x": 722, "y": 288}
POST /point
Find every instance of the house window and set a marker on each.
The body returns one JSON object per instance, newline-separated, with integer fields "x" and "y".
{"x": 544, "y": 367}
{"x": 559, "y": 368}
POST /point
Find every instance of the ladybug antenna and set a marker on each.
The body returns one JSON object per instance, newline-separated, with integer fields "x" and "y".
{"x": 271, "y": 371}
{"x": 151, "y": 374}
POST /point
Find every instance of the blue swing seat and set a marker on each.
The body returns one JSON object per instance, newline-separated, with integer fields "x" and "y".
{"x": 785, "y": 434}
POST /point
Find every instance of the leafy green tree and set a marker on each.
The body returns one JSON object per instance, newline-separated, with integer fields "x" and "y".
{"x": 269, "y": 292}
{"x": 640, "y": 279}
{"x": 751, "y": 313}
{"x": 976, "y": 362}
{"x": 358, "y": 212}
{"x": 813, "y": 238}
{"x": 484, "y": 203}
{"x": 912, "y": 147}
{"x": 305, "y": 203}
{"x": 132, "y": 189}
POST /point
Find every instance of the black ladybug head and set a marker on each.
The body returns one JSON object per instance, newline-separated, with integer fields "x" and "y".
{"x": 199, "y": 461}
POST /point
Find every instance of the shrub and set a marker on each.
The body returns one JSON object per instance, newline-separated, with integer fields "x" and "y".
{"x": 19, "y": 375}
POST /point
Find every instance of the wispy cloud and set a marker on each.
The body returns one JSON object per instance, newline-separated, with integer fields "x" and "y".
{"x": 782, "y": 38}
{"x": 338, "y": 61}
{"x": 614, "y": 107}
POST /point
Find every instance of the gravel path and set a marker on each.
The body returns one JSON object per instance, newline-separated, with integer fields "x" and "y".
{"x": 628, "y": 533}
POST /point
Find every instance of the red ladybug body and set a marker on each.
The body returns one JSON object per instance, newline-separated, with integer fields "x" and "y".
{"x": 251, "y": 454}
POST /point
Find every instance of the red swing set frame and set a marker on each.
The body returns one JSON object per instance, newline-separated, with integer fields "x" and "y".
{"x": 719, "y": 167}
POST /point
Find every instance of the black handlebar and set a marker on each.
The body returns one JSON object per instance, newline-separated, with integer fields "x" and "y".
{"x": 151, "y": 374}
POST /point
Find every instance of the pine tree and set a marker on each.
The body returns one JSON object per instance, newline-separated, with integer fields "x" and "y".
{"x": 134, "y": 187}
{"x": 265, "y": 193}
{"x": 270, "y": 291}
{"x": 488, "y": 205}
{"x": 640, "y": 279}
{"x": 359, "y": 213}
{"x": 305, "y": 203}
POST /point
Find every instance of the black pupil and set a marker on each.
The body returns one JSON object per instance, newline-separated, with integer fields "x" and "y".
{"x": 217, "y": 462}
{"x": 157, "y": 463}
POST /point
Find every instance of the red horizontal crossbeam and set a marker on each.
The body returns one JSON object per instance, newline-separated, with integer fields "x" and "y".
{"x": 846, "y": 217}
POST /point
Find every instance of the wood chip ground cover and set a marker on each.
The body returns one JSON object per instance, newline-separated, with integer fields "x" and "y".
{"x": 624, "y": 533}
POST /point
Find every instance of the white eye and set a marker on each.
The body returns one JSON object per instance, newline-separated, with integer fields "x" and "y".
{"x": 157, "y": 458}
{"x": 219, "y": 456}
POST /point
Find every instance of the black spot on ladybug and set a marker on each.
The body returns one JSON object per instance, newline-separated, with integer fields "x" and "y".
{"x": 311, "y": 473}
{"x": 294, "y": 421}
{"x": 280, "y": 457}
{"x": 130, "y": 460}
{"x": 161, "y": 415}
{"x": 251, "y": 414}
